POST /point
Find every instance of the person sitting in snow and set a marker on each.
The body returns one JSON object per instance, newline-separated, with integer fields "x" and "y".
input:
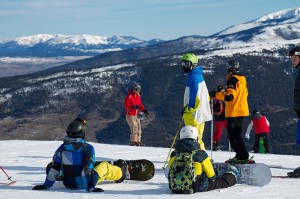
{"x": 73, "y": 163}
{"x": 204, "y": 178}
{"x": 261, "y": 130}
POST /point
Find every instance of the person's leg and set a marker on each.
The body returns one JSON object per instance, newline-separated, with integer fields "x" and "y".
{"x": 131, "y": 120}
{"x": 256, "y": 143}
{"x": 223, "y": 181}
{"x": 107, "y": 171}
{"x": 267, "y": 147}
{"x": 200, "y": 129}
{"x": 139, "y": 129}
{"x": 218, "y": 131}
{"x": 235, "y": 129}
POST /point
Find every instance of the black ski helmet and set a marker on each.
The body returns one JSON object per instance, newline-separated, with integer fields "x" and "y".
{"x": 233, "y": 65}
{"x": 220, "y": 88}
{"x": 76, "y": 129}
{"x": 295, "y": 52}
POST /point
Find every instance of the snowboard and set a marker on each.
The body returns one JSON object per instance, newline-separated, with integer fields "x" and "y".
{"x": 139, "y": 170}
{"x": 257, "y": 174}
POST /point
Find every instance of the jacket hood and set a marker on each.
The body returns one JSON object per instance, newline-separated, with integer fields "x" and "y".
{"x": 73, "y": 144}
{"x": 197, "y": 70}
{"x": 186, "y": 145}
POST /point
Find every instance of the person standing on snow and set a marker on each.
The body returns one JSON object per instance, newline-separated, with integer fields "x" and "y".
{"x": 73, "y": 163}
{"x": 205, "y": 179}
{"x": 294, "y": 53}
{"x": 236, "y": 108}
{"x": 196, "y": 97}
{"x": 133, "y": 106}
{"x": 220, "y": 121}
{"x": 261, "y": 130}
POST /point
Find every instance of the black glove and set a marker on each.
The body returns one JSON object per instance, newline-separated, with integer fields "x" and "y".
{"x": 98, "y": 190}
{"x": 212, "y": 94}
{"x": 184, "y": 109}
{"x": 135, "y": 107}
{"x": 39, "y": 187}
{"x": 146, "y": 112}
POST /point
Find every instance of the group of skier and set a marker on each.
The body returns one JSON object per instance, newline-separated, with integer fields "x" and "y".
{"x": 73, "y": 162}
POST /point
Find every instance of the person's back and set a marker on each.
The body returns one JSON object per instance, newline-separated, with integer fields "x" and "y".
{"x": 205, "y": 178}
{"x": 76, "y": 157}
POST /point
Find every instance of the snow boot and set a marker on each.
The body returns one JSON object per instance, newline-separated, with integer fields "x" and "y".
{"x": 233, "y": 170}
{"x": 236, "y": 161}
{"x": 294, "y": 174}
{"x": 123, "y": 165}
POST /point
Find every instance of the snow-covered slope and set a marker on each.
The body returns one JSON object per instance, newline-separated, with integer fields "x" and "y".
{"x": 25, "y": 161}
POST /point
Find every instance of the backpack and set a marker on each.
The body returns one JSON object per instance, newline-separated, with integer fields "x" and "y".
{"x": 182, "y": 173}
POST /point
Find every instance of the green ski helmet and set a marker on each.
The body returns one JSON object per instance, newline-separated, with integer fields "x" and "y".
{"x": 189, "y": 61}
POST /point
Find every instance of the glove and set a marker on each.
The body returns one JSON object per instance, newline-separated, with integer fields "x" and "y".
{"x": 135, "y": 107}
{"x": 98, "y": 190}
{"x": 39, "y": 187}
{"x": 212, "y": 94}
{"x": 247, "y": 136}
{"x": 146, "y": 113}
{"x": 94, "y": 189}
{"x": 184, "y": 110}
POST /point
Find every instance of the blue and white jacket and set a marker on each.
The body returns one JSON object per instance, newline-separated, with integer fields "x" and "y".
{"x": 74, "y": 161}
{"x": 196, "y": 99}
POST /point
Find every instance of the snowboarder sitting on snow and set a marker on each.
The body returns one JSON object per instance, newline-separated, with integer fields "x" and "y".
{"x": 261, "y": 130}
{"x": 73, "y": 163}
{"x": 190, "y": 169}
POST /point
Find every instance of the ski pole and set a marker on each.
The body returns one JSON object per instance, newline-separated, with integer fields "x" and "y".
{"x": 229, "y": 149}
{"x": 212, "y": 127}
{"x": 8, "y": 177}
{"x": 173, "y": 144}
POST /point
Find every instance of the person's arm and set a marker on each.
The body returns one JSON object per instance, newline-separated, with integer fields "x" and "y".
{"x": 249, "y": 128}
{"x": 230, "y": 89}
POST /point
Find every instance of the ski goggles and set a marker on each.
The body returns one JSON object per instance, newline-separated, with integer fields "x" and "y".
{"x": 186, "y": 64}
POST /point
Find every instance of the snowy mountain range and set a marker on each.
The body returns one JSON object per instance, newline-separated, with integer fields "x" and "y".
{"x": 45, "y": 45}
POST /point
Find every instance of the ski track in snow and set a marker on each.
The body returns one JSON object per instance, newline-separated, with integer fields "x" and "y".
{"x": 26, "y": 160}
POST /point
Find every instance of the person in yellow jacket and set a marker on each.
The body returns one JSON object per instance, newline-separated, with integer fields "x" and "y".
{"x": 236, "y": 108}
{"x": 206, "y": 179}
{"x": 196, "y": 97}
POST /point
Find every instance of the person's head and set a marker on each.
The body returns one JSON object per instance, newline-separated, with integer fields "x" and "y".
{"x": 189, "y": 61}
{"x": 188, "y": 132}
{"x": 76, "y": 129}
{"x": 233, "y": 66}
{"x": 220, "y": 88}
{"x": 136, "y": 87}
{"x": 295, "y": 56}
{"x": 256, "y": 114}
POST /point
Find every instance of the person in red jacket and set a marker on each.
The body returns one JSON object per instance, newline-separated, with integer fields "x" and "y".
{"x": 261, "y": 131}
{"x": 133, "y": 106}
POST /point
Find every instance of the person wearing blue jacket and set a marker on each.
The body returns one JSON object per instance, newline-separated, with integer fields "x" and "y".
{"x": 196, "y": 97}
{"x": 73, "y": 163}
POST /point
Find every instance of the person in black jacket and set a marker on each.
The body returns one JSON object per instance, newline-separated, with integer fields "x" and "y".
{"x": 295, "y": 58}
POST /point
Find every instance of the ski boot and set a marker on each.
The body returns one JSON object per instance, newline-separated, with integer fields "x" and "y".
{"x": 233, "y": 170}
{"x": 236, "y": 161}
{"x": 122, "y": 164}
{"x": 294, "y": 174}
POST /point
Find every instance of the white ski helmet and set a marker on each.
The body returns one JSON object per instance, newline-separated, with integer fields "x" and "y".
{"x": 188, "y": 132}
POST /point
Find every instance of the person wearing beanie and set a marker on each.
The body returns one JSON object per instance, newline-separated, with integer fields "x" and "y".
{"x": 133, "y": 107}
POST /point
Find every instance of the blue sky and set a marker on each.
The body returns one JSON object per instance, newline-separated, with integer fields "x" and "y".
{"x": 144, "y": 19}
